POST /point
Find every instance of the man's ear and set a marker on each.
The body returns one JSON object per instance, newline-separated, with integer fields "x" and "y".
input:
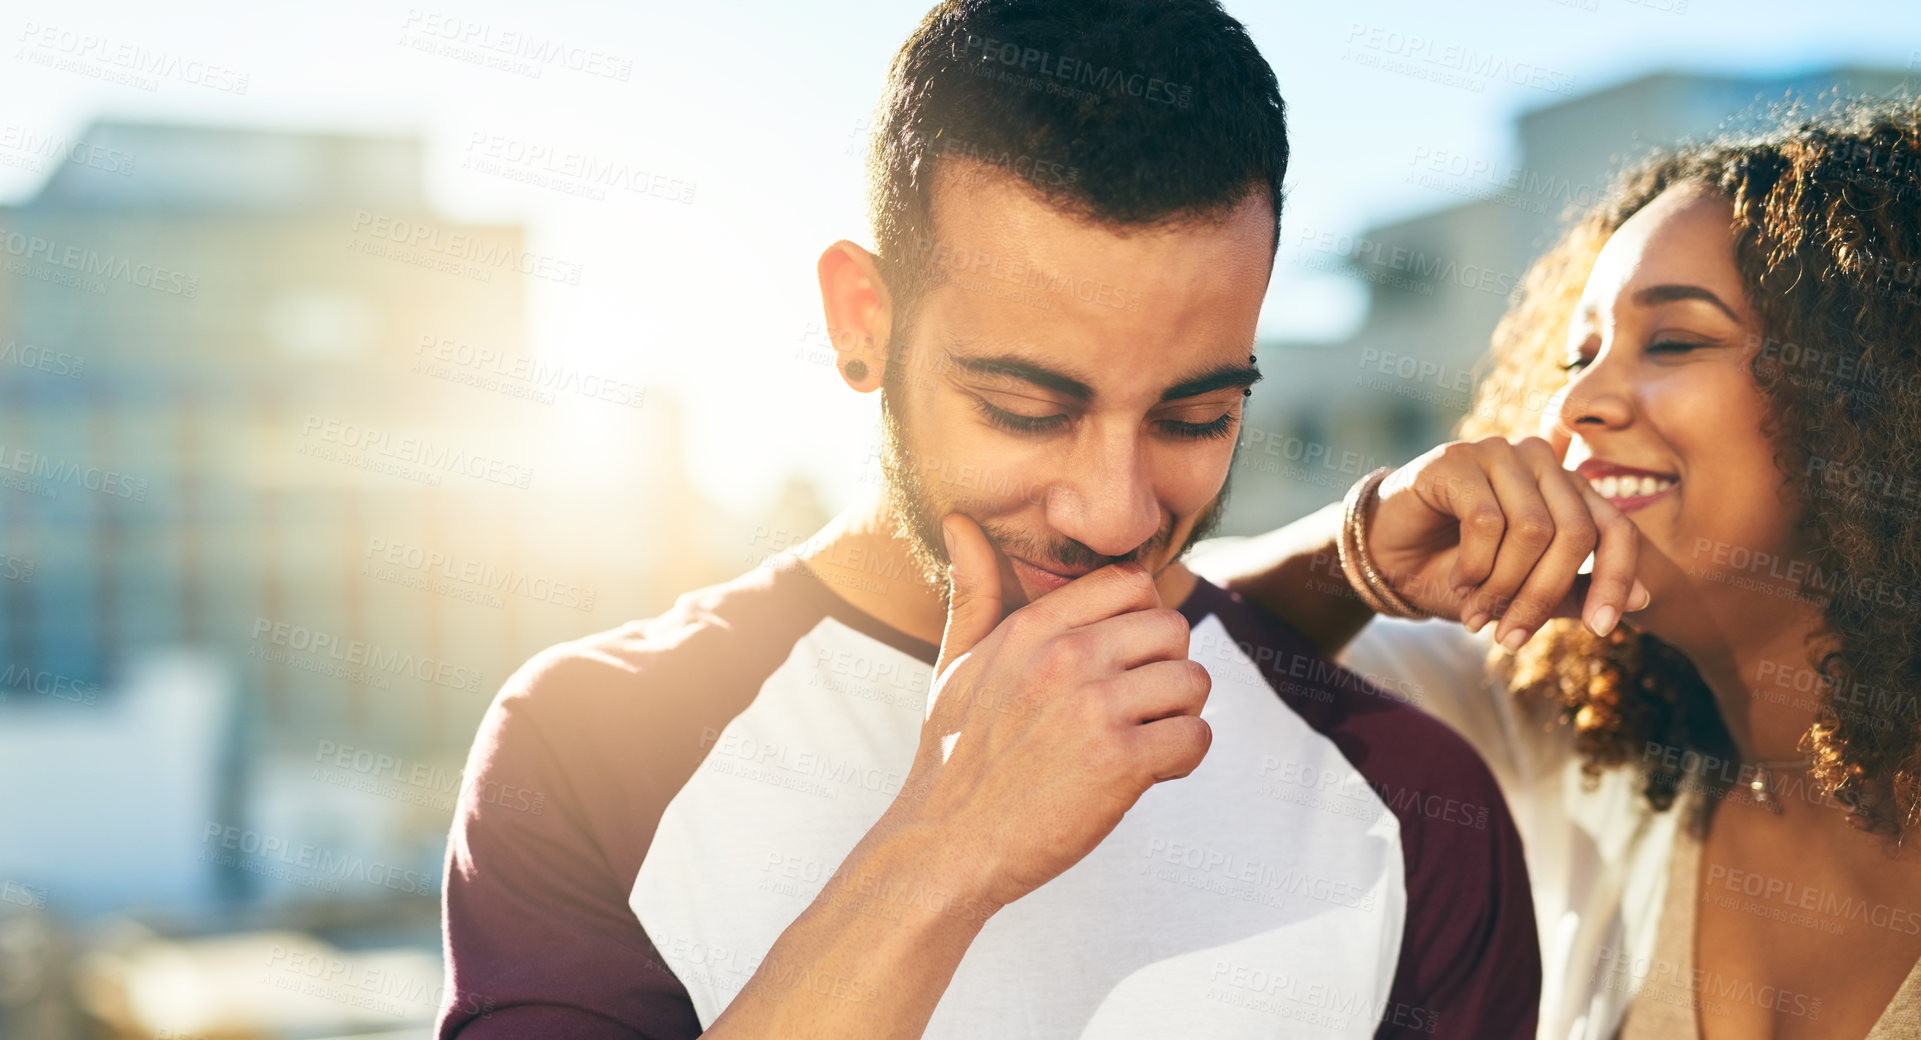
{"x": 860, "y": 313}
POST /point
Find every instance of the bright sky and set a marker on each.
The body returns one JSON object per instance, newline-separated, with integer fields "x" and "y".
{"x": 755, "y": 103}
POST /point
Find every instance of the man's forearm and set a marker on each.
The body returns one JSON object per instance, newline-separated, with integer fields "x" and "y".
{"x": 874, "y": 952}
{"x": 1295, "y": 573}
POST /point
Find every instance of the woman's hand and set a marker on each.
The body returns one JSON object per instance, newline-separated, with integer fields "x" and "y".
{"x": 1497, "y": 529}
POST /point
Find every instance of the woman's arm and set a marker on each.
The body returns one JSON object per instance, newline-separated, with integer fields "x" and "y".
{"x": 1487, "y": 530}
{"x": 1294, "y": 572}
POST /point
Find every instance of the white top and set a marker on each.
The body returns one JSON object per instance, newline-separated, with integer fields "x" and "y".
{"x": 1338, "y": 866}
{"x": 1597, "y": 859}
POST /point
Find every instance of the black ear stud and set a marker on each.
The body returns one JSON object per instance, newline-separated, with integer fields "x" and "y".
{"x": 857, "y": 370}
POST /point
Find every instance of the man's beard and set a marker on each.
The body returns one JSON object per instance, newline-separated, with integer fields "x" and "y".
{"x": 914, "y": 517}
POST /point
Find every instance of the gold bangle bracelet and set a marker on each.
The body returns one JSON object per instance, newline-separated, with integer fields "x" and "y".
{"x": 1354, "y": 531}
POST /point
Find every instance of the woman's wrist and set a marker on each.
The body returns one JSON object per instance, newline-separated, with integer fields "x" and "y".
{"x": 1373, "y": 587}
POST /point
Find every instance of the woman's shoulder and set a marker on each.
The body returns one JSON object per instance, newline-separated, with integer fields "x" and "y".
{"x": 1445, "y": 671}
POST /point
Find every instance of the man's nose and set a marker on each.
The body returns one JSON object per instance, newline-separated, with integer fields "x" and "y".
{"x": 1105, "y": 500}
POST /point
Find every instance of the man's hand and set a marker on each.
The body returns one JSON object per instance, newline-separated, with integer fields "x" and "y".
{"x": 1493, "y": 528}
{"x": 1044, "y": 728}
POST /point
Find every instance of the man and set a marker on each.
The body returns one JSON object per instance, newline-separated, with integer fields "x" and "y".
{"x": 1058, "y": 785}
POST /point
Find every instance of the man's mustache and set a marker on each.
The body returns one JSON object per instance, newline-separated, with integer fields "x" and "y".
{"x": 1068, "y": 556}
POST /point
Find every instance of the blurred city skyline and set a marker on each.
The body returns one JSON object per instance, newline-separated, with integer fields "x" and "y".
{"x": 343, "y": 367}
{"x": 746, "y": 117}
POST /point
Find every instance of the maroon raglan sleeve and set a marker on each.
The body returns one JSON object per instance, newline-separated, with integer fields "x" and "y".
{"x": 1470, "y": 954}
{"x": 1470, "y": 959}
{"x": 573, "y": 766}
{"x": 539, "y": 938}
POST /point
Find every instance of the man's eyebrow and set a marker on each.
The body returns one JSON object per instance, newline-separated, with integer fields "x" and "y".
{"x": 1223, "y": 377}
{"x": 1657, "y": 294}
{"x": 1020, "y": 368}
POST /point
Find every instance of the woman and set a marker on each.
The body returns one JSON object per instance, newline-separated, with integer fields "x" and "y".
{"x": 1720, "y": 794}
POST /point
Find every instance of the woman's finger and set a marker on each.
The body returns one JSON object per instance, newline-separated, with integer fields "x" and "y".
{"x": 1575, "y": 536}
{"x": 1528, "y": 530}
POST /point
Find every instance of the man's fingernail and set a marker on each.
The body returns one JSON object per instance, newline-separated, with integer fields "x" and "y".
{"x": 1513, "y": 640}
{"x": 1639, "y": 597}
{"x": 946, "y": 540}
{"x": 1604, "y": 619}
{"x": 1474, "y": 623}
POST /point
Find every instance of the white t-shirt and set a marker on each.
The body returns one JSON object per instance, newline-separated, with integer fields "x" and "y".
{"x": 649, "y": 808}
{"x": 1597, "y": 857}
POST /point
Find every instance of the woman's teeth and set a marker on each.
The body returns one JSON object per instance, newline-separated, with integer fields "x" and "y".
{"x": 1630, "y": 486}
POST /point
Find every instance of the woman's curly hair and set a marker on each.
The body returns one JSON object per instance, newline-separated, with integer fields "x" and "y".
{"x": 1827, "y": 236}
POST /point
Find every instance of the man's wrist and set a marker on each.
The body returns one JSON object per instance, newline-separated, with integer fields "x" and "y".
{"x": 909, "y": 872}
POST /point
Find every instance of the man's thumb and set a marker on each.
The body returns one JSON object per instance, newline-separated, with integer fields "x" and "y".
{"x": 974, "y": 605}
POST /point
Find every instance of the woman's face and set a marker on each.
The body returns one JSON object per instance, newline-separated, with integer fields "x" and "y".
{"x": 1662, "y": 415}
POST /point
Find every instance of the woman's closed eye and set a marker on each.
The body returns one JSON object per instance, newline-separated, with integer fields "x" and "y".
{"x": 1666, "y": 346}
{"x": 1673, "y": 346}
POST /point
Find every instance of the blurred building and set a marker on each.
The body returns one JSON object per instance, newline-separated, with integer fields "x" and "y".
{"x": 1438, "y": 283}
{"x": 284, "y": 499}
{"x": 258, "y": 399}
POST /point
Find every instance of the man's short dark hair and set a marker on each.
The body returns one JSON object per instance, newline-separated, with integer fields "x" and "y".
{"x": 1144, "y": 113}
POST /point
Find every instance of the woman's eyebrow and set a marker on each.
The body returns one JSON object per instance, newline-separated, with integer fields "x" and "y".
{"x": 1658, "y": 294}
